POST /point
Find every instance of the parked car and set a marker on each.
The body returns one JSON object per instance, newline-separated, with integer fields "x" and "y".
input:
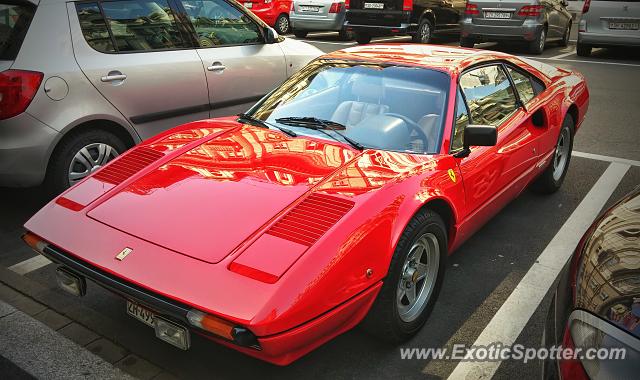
{"x": 534, "y": 22}
{"x": 596, "y": 305}
{"x": 419, "y": 18}
{"x": 607, "y": 23}
{"x": 319, "y": 15}
{"x": 336, "y": 198}
{"x": 82, "y": 82}
{"x": 273, "y": 12}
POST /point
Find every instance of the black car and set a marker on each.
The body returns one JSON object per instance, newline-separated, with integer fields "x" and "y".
{"x": 597, "y": 303}
{"x": 418, "y": 18}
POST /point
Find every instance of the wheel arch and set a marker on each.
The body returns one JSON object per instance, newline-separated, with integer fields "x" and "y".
{"x": 429, "y": 15}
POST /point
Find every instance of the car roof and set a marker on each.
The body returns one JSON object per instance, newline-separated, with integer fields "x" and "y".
{"x": 446, "y": 58}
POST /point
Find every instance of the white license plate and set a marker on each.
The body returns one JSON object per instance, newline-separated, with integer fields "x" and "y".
{"x": 248, "y": 5}
{"x": 624, "y": 25}
{"x": 501, "y": 15}
{"x": 306, "y": 8}
{"x": 140, "y": 313}
{"x": 373, "y": 5}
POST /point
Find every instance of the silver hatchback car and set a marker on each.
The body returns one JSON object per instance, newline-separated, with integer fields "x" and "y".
{"x": 80, "y": 82}
{"x": 318, "y": 15}
{"x": 606, "y": 23}
{"x": 532, "y": 21}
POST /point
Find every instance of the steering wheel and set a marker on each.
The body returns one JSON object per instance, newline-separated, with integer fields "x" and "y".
{"x": 413, "y": 126}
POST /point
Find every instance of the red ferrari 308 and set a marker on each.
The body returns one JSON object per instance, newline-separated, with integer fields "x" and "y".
{"x": 335, "y": 199}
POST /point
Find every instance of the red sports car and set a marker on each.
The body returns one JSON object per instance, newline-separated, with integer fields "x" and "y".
{"x": 335, "y": 199}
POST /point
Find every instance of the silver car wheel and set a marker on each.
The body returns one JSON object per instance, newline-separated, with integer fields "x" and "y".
{"x": 561, "y": 156}
{"x": 418, "y": 278}
{"x": 283, "y": 25}
{"x": 89, "y": 159}
{"x": 543, "y": 37}
{"x": 425, "y": 32}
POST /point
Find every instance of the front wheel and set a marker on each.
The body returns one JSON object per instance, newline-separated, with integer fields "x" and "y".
{"x": 413, "y": 282}
{"x": 583, "y": 50}
{"x": 551, "y": 179}
{"x": 466, "y": 42}
{"x": 300, "y": 33}
{"x": 282, "y": 24}
{"x": 362, "y": 38}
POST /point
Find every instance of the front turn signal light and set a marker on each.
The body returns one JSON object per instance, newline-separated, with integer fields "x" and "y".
{"x": 34, "y": 242}
{"x": 222, "y": 328}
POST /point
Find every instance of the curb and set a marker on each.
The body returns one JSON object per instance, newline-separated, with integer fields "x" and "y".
{"x": 42, "y": 306}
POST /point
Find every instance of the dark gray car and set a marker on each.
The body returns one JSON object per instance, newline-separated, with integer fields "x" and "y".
{"x": 534, "y": 22}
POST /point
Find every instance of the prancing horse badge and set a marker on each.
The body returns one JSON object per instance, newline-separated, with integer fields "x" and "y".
{"x": 124, "y": 253}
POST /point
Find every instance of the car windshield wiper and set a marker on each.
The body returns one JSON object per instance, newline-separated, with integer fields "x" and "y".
{"x": 249, "y": 119}
{"x": 320, "y": 125}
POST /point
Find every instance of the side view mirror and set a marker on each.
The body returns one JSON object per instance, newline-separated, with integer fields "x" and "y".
{"x": 478, "y": 135}
{"x": 271, "y": 36}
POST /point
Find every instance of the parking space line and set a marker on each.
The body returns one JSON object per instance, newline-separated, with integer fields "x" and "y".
{"x": 507, "y": 324}
{"x": 572, "y": 52}
{"x": 600, "y": 157}
{"x": 30, "y": 265}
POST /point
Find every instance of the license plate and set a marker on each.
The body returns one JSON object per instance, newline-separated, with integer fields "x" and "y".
{"x": 624, "y": 25}
{"x": 248, "y": 5}
{"x": 306, "y": 8}
{"x": 373, "y": 5}
{"x": 501, "y": 15}
{"x": 140, "y": 313}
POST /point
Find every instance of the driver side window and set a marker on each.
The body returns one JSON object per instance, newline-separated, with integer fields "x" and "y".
{"x": 218, "y": 23}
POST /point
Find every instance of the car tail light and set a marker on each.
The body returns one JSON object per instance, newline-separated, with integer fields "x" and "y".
{"x": 407, "y": 5}
{"x": 346, "y": 4}
{"x": 585, "y": 6}
{"x": 471, "y": 9}
{"x": 530, "y": 10}
{"x": 17, "y": 90}
{"x": 335, "y": 7}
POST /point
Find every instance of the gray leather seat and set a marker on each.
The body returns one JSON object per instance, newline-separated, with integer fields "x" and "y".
{"x": 430, "y": 125}
{"x": 368, "y": 97}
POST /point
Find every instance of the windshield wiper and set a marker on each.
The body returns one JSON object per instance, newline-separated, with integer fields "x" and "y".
{"x": 320, "y": 125}
{"x": 249, "y": 119}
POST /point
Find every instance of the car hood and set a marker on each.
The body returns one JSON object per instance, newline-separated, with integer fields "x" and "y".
{"x": 205, "y": 201}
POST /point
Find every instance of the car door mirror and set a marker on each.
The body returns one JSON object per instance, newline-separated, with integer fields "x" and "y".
{"x": 271, "y": 36}
{"x": 477, "y": 135}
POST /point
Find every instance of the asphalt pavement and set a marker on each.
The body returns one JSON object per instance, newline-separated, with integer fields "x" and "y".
{"x": 480, "y": 276}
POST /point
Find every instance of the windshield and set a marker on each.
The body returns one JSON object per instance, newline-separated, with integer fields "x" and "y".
{"x": 387, "y": 107}
{"x": 14, "y": 22}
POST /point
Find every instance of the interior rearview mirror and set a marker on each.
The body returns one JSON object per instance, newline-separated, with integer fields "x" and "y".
{"x": 478, "y": 135}
{"x": 271, "y": 36}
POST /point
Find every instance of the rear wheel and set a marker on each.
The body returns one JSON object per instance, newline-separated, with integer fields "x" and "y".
{"x": 424, "y": 33}
{"x": 363, "y": 38}
{"x": 413, "y": 282}
{"x": 551, "y": 179}
{"x": 282, "y": 24}
{"x": 345, "y": 35}
{"x": 300, "y": 33}
{"x": 537, "y": 45}
{"x": 79, "y": 155}
{"x": 583, "y": 50}
{"x": 467, "y": 42}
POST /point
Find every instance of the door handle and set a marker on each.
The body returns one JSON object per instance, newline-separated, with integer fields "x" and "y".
{"x": 217, "y": 66}
{"x": 113, "y": 76}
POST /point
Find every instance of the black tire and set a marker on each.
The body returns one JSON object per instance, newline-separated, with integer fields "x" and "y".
{"x": 383, "y": 320}
{"x": 467, "y": 42}
{"x": 424, "y": 33}
{"x": 564, "y": 42}
{"x": 282, "y": 25}
{"x": 57, "y": 178}
{"x": 537, "y": 45}
{"x": 362, "y": 38}
{"x": 547, "y": 182}
{"x": 583, "y": 50}
{"x": 345, "y": 35}
{"x": 300, "y": 33}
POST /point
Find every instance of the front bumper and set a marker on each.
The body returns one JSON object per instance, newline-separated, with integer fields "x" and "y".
{"x": 525, "y": 32}
{"x": 280, "y": 349}
{"x": 25, "y": 145}
{"x": 607, "y": 39}
{"x": 307, "y": 22}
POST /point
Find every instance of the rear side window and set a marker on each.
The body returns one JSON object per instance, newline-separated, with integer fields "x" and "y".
{"x": 523, "y": 85}
{"x": 14, "y": 23}
{"x": 131, "y": 25}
